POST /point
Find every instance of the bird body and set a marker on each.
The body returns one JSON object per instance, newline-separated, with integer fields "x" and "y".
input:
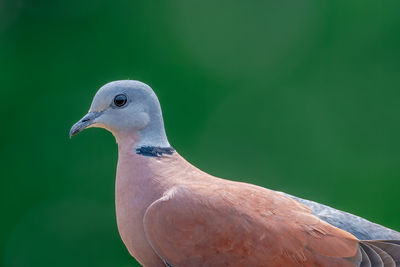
{"x": 135, "y": 190}
{"x": 171, "y": 213}
{"x": 245, "y": 223}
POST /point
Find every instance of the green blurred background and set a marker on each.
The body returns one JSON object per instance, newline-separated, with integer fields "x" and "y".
{"x": 298, "y": 96}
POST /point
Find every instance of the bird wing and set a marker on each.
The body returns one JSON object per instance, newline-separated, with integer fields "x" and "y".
{"x": 237, "y": 224}
{"x": 359, "y": 227}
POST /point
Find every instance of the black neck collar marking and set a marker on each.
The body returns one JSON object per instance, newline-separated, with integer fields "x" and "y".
{"x": 154, "y": 151}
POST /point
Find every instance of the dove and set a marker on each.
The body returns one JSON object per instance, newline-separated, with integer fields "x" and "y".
{"x": 170, "y": 213}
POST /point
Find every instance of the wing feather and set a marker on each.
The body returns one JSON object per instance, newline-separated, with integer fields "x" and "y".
{"x": 388, "y": 249}
{"x": 211, "y": 225}
{"x": 365, "y": 259}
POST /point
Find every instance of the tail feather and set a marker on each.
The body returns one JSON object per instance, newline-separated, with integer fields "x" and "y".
{"x": 377, "y": 253}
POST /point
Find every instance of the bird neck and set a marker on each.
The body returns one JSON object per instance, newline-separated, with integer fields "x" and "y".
{"x": 153, "y": 135}
{"x": 151, "y": 141}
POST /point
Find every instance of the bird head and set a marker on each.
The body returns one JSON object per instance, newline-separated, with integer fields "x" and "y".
{"x": 126, "y": 108}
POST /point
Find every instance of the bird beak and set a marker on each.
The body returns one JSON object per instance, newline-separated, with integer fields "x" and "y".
{"x": 84, "y": 123}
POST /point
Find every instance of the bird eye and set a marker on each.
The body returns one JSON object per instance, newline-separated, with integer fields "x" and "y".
{"x": 120, "y": 100}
